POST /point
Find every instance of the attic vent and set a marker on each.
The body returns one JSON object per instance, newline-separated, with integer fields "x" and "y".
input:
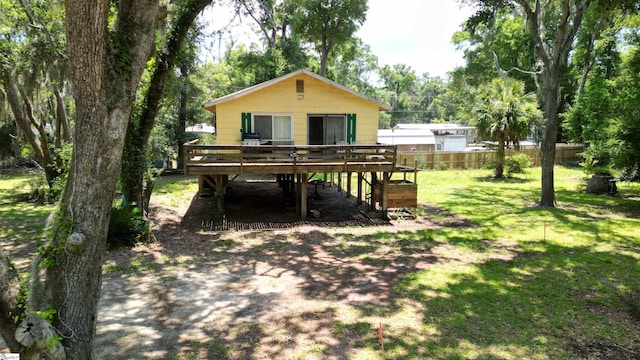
{"x": 300, "y": 86}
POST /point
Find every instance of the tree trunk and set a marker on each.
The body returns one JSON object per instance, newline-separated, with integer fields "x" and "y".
{"x": 104, "y": 75}
{"x": 133, "y": 167}
{"x": 324, "y": 54}
{"x": 61, "y": 113}
{"x": 24, "y": 122}
{"x": 548, "y": 197}
{"x": 552, "y": 55}
{"x": 9, "y": 288}
{"x": 499, "y": 173}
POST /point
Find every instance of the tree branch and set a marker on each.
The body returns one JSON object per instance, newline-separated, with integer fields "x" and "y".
{"x": 504, "y": 73}
{"x": 272, "y": 41}
{"x": 536, "y": 20}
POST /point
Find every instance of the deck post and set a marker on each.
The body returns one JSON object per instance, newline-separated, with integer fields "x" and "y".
{"x": 296, "y": 190}
{"x": 348, "y": 185}
{"x": 375, "y": 186}
{"x": 360, "y": 180}
{"x": 220, "y": 185}
{"x": 304, "y": 181}
{"x": 385, "y": 188}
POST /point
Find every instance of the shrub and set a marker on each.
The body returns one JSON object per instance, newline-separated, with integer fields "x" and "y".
{"x": 126, "y": 226}
{"x": 517, "y": 164}
{"x": 601, "y": 170}
{"x": 440, "y": 166}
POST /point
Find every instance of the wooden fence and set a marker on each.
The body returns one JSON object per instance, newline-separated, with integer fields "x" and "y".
{"x": 478, "y": 159}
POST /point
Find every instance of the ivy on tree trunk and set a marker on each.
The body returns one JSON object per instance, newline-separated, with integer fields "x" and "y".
{"x": 135, "y": 165}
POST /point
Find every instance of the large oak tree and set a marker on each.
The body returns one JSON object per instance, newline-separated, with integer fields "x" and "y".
{"x": 554, "y": 25}
{"x": 107, "y": 55}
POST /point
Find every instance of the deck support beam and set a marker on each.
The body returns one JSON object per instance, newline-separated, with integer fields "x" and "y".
{"x": 302, "y": 182}
{"x": 360, "y": 180}
{"x": 386, "y": 177}
{"x": 303, "y": 196}
{"x": 220, "y": 186}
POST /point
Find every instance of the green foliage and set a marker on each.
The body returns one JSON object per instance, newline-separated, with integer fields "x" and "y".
{"x": 57, "y": 233}
{"x": 505, "y": 38}
{"x": 624, "y": 143}
{"x": 605, "y": 118}
{"x": 45, "y": 192}
{"x": 47, "y": 314}
{"x": 593, "y": 161}
{"x": 326, "y": 25}
{"x": 517, "y": 164}
{"x": 126, "y": 226}
{"x": 22, "y": 298}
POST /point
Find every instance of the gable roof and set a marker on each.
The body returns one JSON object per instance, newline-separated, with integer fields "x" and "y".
{"x": 211, "y": 105}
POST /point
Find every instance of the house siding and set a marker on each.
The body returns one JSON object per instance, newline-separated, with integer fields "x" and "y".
{"x": 281, "y": 97}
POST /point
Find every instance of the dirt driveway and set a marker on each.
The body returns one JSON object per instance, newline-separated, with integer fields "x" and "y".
{"x": 300, "y": 292}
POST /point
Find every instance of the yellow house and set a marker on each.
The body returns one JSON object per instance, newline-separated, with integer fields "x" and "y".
{"x": 300, "y": 108}
{"x": 294, "y": 127}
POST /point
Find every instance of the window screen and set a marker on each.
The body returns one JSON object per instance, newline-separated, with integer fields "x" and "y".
{"x": 262, "y": 125}
{"x": 273, "y": 127}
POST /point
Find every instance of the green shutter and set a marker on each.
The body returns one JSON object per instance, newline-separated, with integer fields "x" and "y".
{"x": 246, "y": 123}
{"x": 351, "y": 128}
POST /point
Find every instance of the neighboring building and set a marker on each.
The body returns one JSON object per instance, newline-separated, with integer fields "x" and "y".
{"x": 408, "y": 140}
{"x": 300, "y": 108}
{"x": 447, "y": 137}
{"x": 201, "y": 128}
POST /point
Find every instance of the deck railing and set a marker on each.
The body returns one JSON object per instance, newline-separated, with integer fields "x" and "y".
{"x": 285, "y": 156}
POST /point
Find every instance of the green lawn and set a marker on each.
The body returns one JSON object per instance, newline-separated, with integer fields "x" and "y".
{"x": 526, "y": 282}
{"x": 21, "y": 222}
{"x": 503, "y": 278}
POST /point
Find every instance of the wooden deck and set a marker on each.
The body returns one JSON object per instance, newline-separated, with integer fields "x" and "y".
{"x": 279, "y": 159}
{"x": 295, "y": 166}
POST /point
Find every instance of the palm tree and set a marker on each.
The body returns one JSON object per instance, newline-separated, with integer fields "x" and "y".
{"x": 505, "y": 114}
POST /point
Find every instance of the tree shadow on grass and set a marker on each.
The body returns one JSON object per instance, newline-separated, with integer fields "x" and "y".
{"x": 320, "y": 293}
{"x": 317, "y": 293}
{"x": 216, "y": 295}
{"x": 558, "y": 302}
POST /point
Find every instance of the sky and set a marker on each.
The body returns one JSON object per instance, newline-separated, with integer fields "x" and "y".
{"x": 413, "y": 32}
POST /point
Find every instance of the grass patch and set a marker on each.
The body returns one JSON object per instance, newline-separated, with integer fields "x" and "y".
{"x": 526, "y": 282}
{"x": 174, "y": 190}
{"x": 22, "y": 222}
